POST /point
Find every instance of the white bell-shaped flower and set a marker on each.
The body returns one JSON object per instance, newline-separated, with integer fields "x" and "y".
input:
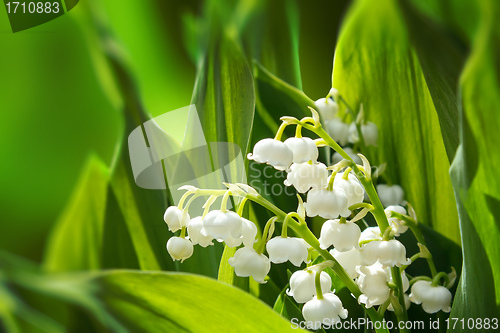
{"x": 327, "y": 109}
{"x": 390, "y": 194}
{"x": 326, "y": 311}
{"x": 232, "y": 241}
{"x": 432, "y": 298}
{"x": 247, "y": 262}
{"x": 195, "y": 235}
{"x": 389, "y": 253}
{"x": 179, "y": 248}
{"x": 338, "y": 130}
{"x": 343, "y": 236}
{"x": 371, "y": 233}
{"x": 327, "y": 204}
{"x": 351, "y": 186}
{"x": 248, "y": 232}
{"x": 302, "y": 287}
{"x": 222, "y": 225}
{"x": 399, "y": 226}
{"x": 248, "y": 235}
{"x": 304, "y": 149}
{"x": 175, "y": 218}
{"x": 350, "y": 260}
{"x": 336, "y": 157}
{"x": 372, "y": 282}
{"x": 282, "y": 249}
{"x": 304, "y": 176}
{"x": 407, "y": 303}
{"x": 369, "y": 130}
{"x": 273, "y": 152}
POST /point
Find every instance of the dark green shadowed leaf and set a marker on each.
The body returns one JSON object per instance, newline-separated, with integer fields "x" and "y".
{"x": 270, "y": 35}
{"x": 474, "y": 174}
{"x": 441, "y": 59}
{"x": 376, "y": 65}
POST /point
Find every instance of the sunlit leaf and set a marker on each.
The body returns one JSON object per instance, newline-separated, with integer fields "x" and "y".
{"x": 473, "y": 172}
{"x": 376, "y": 65}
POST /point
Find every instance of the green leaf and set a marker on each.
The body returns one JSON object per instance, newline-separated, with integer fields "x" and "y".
{"x": 263, "y": 25}
{"x": 286, "y": 307}
{"x": 76, "y": 240}
{"x": 441, "y": 59}
{"x": 175, "y": 302}
{"x": 375, "y": 64}
{"x": 224, "y": 94}
{"x": 473, "y": 171}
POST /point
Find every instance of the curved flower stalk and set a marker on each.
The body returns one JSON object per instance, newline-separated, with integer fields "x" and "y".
{"x": 371, "y": 263}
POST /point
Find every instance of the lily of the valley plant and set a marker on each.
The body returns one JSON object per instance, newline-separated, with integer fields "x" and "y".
{"x": 371, "y": 262}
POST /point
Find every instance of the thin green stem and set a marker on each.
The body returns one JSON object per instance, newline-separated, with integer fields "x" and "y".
{"x": 317, "y": 283}
{"x": 242, "y": 206}
{"x": 358, "y": 126}
{"x": 415, "y": 229}
{"x": 298, "y": 131}
{"x": 284, "y": 227}
{"x": 361, "y": 205}
{"x": 345, "y": 175}
{"x": 305, "y": 233}
{"x": 225, "y": 198}
{"x": 280, "y": 131}
{"x": 260, "y": 246}
{"x": 438, "y": 277}
{"x": 420, "y": 278}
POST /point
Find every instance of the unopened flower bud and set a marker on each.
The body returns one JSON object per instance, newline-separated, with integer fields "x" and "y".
{"x": 179, "y": 248}
{"x": 273, "y": 152}
{"x": 302, "y": 287}
{"x": 175, "y": 218}
{"x": 293, "y": 249}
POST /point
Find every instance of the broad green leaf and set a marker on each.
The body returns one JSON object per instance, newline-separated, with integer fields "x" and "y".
{"x": 129, "y": 230}
{"x": 474, "y": 169}
{"x": 175, "y": 302}
{"x": 441, "y": 59}
{"x": 75, "y": 242}
{"x": 376, "y": 65}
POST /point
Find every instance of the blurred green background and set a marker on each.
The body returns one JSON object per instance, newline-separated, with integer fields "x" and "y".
{"x": 55, "y": 111}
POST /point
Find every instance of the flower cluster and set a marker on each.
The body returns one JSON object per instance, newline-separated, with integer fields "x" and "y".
{"x": 370, "y": 261}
